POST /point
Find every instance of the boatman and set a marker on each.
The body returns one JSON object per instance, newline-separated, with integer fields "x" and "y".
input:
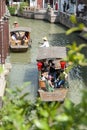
{"x": 46, "y": 43}
{"x": 15, "y": 24}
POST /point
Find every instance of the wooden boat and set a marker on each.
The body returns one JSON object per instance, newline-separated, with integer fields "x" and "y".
{"x": 56, "y": 54}
{"x": 21, "y": 44}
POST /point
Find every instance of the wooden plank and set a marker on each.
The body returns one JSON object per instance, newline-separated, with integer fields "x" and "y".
{"x": 57, "y": 95}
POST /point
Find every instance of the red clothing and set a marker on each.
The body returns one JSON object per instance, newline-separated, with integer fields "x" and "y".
{"x": 56, "y": 6}
{"x": 63, "y": 64}
{"x": 39, "y": 65}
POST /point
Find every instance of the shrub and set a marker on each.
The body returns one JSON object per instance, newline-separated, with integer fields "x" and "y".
{"x": 12, "y": 9}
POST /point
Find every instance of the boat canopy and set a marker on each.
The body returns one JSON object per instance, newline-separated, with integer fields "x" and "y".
{"x": 51, "y": 53}
{"x": 21, "y": 29}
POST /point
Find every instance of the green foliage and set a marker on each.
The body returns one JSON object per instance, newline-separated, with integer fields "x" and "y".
{"x": 12, "y": 115}
{"x": 78, "y": 27}
{"x": 75, "y": 57}
{"x": 12, "y": 9}
{"x": 22, "y": 5}
{"x": 18, "y": 113}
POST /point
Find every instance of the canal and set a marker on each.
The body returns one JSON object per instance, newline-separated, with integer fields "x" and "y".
{"x": 24, "y": 69}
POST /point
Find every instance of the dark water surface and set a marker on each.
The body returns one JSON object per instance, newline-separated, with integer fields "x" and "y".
{"x": 24, "y": 67}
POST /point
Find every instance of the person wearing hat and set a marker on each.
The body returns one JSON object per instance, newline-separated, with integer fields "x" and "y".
{"x": 46, "y": 43}
{"x": 15, "y": 24}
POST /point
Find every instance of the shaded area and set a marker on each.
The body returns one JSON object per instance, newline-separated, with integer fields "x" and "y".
{"x": 62, "y": 39}
{"x": 22, "y": 73}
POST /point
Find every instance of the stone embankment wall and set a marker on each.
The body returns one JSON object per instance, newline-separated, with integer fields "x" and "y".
{"x": 48, "y": 15}
{"x": 53, "y": 17}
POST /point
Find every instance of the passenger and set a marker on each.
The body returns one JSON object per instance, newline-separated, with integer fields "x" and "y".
{"x": 26, "y": 36}
{"x": 14, "y": 36}
{"x": 43, "y": 77}
{"x": 45, "y": 67}
{"x": 46, "y": 43}
{"x": 61, "y": 79}
{"x": 52, "y": 70}
{"x": 51, "y": 82}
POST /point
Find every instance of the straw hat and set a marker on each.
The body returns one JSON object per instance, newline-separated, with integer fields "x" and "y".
{"x": 15, "y": 22}
{"x": 44, "y": 38}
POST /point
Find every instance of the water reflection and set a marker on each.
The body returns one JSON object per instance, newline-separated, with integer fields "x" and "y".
{"x": 21, "y": 57}
{"x": 24, "y": 64}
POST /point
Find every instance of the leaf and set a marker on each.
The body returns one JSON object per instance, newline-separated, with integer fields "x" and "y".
{"x": 42, "y": 124}
{"x": 81, "y": 26}
{"x": 62, "y": 118}
{"x": 72, "y": 30}
{"x": 73, "y": 19}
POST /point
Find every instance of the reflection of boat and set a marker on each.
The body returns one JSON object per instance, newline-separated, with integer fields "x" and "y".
{"x": 20, "y": 44}
{"x": 56, "y": 54}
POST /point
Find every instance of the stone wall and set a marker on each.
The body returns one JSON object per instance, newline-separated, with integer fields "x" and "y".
{"x": 53, "y": 17}
{"x": 48, "y": 15}
{"x": 64, "y": 19}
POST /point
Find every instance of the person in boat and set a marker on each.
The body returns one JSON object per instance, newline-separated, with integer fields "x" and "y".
{"x": 49, "y": 80}
{"x": 25, "y": 37}
{"x": 45, "y": 66}
{"x": 62, "y": 77}
{"x": 14, "y": 36}
{"x": 15, "y": 24}
{"x": 52, "y": 70}
{"x": 45, "y": 43}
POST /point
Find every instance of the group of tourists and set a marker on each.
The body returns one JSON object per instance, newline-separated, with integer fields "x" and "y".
{"x": 48, "y": 72}
{"x": 18, "y": 38}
